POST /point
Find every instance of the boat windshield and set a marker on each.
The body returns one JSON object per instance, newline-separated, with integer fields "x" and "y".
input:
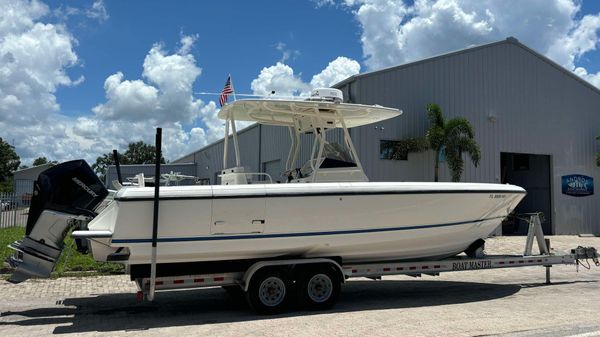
{"x": 334, "y": 156}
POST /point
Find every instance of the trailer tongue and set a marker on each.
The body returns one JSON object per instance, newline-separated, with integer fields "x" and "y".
{"x": 64, "y": 196}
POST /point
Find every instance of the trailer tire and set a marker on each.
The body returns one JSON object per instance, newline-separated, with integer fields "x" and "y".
{"x": 269, "y": 291}
{"x": 318, "y": 288}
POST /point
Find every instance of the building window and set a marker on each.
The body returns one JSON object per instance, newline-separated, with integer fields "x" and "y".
{"x": 388, "y": 150}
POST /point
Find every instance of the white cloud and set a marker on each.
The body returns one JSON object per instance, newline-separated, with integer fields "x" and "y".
{"x": 281, "y": 78}
{"x": 34, "y": 61}
{"x": 167, "y": 97}
{"x": 336, "y": 71}
{"x": 163, "y": 98}
{"x": 215, "y": 127}
{"x": 322, "y": 3}
{"x": 394, "y": 32}
{"x": 286, "y": 53}
{"x": 187, "y": 42}
{"x": 127, "y": 100}
{"x": 18, "y": 16}
{"x": 97, "y": 11}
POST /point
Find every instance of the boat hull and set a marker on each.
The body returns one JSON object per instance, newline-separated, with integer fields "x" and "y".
{"x": 357, "y": 222}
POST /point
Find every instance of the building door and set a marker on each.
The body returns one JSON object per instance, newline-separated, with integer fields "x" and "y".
{"x": 532, "y": 172}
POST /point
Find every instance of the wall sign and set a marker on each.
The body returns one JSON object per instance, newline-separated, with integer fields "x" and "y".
{"x": 577, "y": 185}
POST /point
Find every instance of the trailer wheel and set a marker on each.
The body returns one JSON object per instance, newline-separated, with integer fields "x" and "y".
{"x": 318, "y": 288}
{"x": 269, "y": 291}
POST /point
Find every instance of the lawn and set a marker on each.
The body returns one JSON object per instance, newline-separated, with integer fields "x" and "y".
{"x": 71, "y": 261}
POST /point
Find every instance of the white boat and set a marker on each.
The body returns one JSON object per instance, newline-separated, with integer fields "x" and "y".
{"x": 327, "y": 209}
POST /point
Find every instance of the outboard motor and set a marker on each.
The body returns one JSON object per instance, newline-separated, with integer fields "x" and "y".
{"x": 62, "y": 196}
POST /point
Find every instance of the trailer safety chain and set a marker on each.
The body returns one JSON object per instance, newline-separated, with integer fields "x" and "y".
{"x": 580, "y": 263}
{"x": 584, "y": 254}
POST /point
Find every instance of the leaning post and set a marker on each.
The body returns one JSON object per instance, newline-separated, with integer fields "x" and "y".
{"x": 155, "y": 218}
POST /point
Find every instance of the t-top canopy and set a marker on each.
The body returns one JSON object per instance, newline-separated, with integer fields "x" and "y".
{"x": 288, "y": 112}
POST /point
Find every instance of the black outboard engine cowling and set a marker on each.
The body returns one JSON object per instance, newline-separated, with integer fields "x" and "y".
{"x": 71, "y": 187}
{"x": 63, "y": 196}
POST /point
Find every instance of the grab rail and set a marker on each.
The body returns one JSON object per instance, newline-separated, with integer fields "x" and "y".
{"x": 260, "y": 174}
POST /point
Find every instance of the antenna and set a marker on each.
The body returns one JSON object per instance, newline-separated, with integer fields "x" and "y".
{"x": 270, "y": 95}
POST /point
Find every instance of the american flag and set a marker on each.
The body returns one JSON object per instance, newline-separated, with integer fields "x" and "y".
{"x": 226, "y": 91}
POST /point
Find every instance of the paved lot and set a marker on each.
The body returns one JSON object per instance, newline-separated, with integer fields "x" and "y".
{"x": 510, "y": 302}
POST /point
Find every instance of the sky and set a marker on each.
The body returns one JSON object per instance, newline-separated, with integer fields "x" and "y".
{"x": 80, "y": 78}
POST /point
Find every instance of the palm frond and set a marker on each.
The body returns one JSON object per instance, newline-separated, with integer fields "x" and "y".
{"x": 435, "y": 136}
{"x": 459, "y": 125}
{"x": 474, "y": 152}
{"x": 434, "y": 113}
{"x": 455, "y": 163}
{"x": 468, "y": 145}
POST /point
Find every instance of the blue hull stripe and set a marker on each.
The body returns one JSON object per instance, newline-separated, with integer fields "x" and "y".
{"x": 284, "y": 235}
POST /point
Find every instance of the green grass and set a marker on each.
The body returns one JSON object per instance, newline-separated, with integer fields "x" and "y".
{"x": 71, "y": 261}
{"x": 8, "y": 236}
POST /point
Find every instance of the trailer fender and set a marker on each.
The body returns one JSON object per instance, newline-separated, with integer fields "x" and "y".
{"x": 262, "y": 264}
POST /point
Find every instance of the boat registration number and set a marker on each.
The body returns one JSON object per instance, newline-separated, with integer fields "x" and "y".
{"x": 470, "y": 265}
{"x": 497, "y": 196}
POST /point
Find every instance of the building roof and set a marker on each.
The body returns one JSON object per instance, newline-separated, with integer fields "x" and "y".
{"x": 509, "y": 40}
{"x": 38, "y": 167}
{"x": 31, "y": 173}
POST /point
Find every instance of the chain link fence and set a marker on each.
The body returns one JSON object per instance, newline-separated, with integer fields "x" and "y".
{"x": 14, "y": 209}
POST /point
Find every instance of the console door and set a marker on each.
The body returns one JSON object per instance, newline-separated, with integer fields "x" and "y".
{"x": 238, "y": 209}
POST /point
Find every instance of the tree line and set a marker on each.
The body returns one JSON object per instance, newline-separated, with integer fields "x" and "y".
{"x": 136, "y": 153}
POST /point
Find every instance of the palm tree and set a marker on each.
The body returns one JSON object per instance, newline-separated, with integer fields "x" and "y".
{"x": 454, "y": 136}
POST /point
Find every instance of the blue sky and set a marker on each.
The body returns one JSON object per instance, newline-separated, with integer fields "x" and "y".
{"x": 237, "y": 37}
{"x": 80, "y": 78}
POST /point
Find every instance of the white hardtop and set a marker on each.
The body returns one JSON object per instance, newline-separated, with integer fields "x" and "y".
{"x": 285, "y": 112}
{"x": 201, "y": 191}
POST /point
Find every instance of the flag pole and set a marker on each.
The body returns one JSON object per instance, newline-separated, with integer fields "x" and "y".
{"x": 233, "y": 130}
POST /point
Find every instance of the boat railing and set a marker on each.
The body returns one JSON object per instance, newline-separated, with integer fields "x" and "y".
{"x": 250, "y": 174}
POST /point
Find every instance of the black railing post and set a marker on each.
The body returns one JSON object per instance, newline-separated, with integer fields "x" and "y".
{"x": 155, "y": 218}
{"x": 117, "y": 166}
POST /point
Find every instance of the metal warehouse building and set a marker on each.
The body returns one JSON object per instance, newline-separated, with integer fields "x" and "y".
{"x": 535, "y": 121}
